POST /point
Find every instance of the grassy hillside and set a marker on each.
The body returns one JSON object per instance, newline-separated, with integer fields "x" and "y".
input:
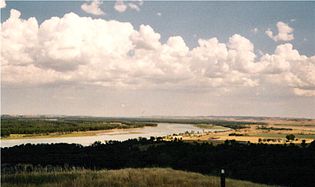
{"x": 153, "y": 177}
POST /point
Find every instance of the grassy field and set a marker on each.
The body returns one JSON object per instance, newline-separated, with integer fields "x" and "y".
{"x": 153, "y": 177}
{"x": 274, "y": 130}
{"x": 300, "y": 136}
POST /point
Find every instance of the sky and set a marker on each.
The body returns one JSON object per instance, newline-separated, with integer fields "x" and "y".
{"x": 152, "y": 58}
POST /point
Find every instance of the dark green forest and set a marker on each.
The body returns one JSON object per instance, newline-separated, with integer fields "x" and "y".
{"x": 41, "y": 125}
{"x": 288, "y": 165}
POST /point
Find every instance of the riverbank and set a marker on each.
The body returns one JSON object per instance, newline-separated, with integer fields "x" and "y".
{"x": 88, "y": 137}
{"x": 82, "y": 130}
{"x": 64, "y": 134}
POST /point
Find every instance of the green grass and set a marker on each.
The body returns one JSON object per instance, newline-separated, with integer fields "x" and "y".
{"x": 269, "y": 135}
{"x": 312, "y": 136}
{"x": 295, "y": 124}
{"x": 152, "y": 177}
{"x": 207, "y": 126}
{"x": 299, "y": 136}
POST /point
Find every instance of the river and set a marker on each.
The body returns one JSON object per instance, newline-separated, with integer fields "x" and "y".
{"x": 162, "y": 129}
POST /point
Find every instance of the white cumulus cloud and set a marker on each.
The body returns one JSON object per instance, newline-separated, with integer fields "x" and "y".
{"x": 254, "y": 30}
{"x": 120, "y": 6}
{"x": 2, "y": 4}
{"x": 134, "y": 6}
{"x": 93, "y": 7}
{"x": 114, "y": 54}
{"x": 285, "y": 32}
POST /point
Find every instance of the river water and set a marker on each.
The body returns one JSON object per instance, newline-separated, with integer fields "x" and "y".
{"x": 162, "y": 129}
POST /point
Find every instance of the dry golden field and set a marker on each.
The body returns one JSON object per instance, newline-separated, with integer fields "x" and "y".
{"x": 274, "y": 132}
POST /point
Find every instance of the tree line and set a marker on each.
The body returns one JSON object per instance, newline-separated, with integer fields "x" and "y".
{"x": 289, "y": 165}
{"x": 40, "y": 126}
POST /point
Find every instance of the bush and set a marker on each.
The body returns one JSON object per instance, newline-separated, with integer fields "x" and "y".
{"x": 290, "y": 137}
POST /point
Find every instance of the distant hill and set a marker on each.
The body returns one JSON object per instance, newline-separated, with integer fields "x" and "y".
{"x": 154, "y": 117}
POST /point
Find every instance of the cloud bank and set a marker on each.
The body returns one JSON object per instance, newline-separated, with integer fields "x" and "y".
{"x": 108, "y": 53}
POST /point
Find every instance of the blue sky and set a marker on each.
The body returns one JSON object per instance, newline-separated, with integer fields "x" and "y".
{"x": 76, "y": 64}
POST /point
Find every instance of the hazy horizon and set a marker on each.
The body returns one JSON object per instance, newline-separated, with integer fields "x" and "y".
{"x": 157, "y": 58}
{"x": 154, "y": 116}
